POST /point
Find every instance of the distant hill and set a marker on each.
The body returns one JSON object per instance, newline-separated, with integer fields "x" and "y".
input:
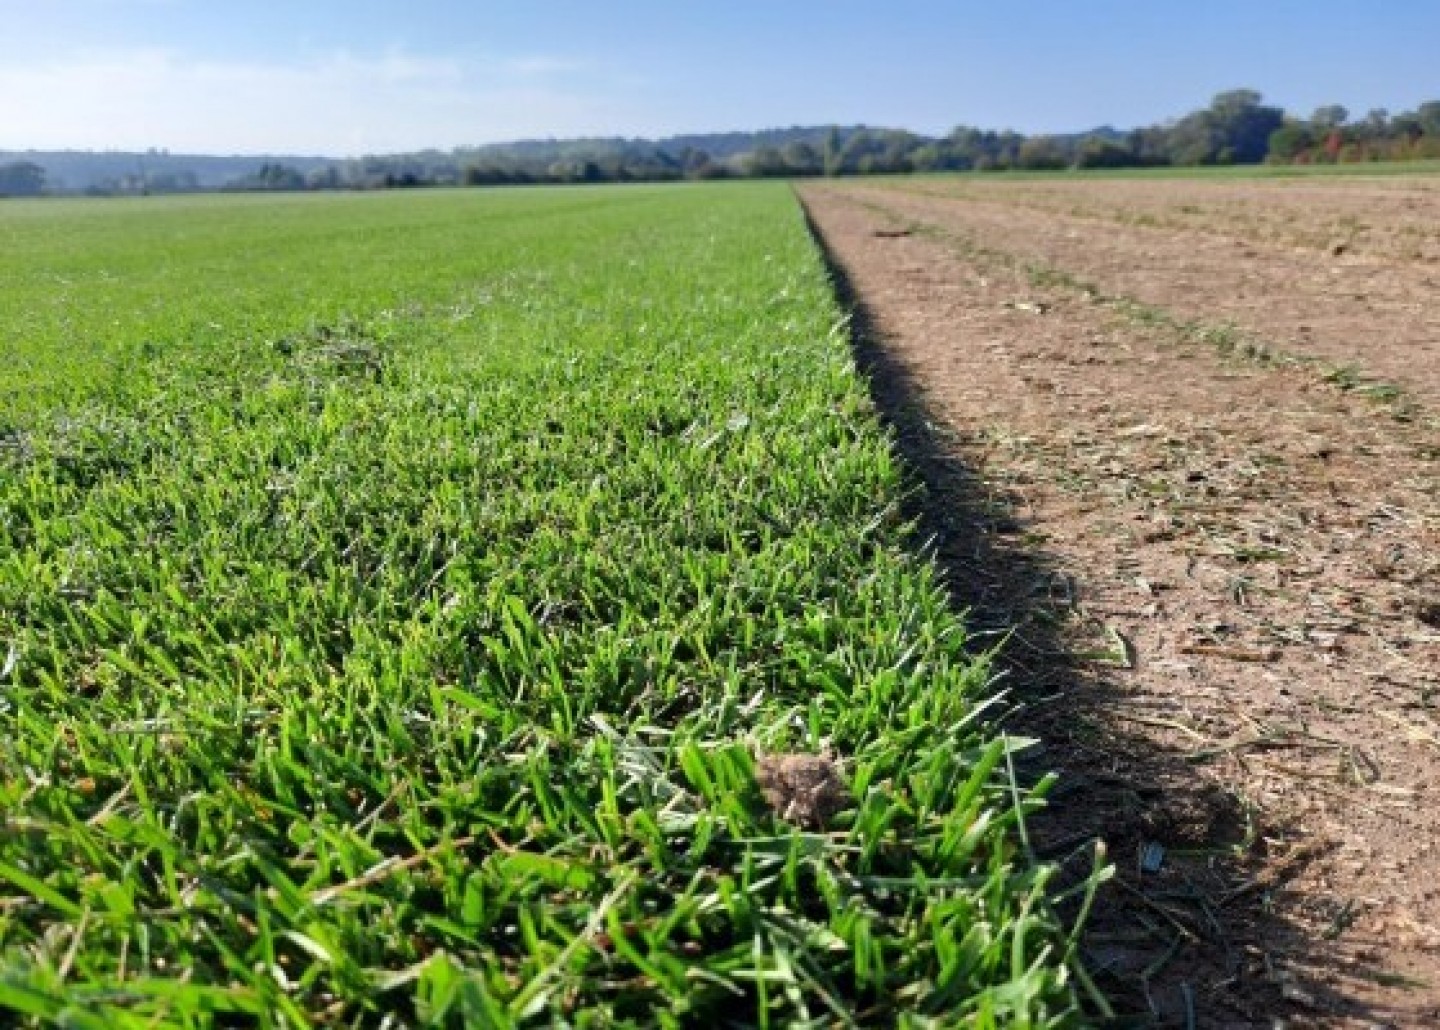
{"x": 725, "y": 145}
{"x": 1236, "y": 128}
{"x": 81, "y": 170}
{"x": 78, "y": 171}
{"x": 719, "y": 145}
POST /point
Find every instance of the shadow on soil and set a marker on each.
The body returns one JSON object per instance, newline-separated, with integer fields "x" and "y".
{"x": 1184, "y": 934}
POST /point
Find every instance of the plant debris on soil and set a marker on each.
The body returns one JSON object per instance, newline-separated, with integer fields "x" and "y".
{"x": 1259, "y": 258}
{"x": 1197, "y": 503}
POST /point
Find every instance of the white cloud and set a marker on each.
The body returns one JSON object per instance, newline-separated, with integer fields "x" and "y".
{"x": 340, "y": 103}
{"x": 544, "y": 65}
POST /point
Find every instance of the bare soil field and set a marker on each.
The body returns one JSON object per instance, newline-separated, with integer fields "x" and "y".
{"x": 1342, "y": 271}
{"x": 1181, "y": 439}
{"x": 1390, "y": 218}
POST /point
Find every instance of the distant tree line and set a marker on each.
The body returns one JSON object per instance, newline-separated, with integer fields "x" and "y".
{"x": 1237, "y": 127}
{"x": 21, "y": 179}
{"x": 1329, "y": 136}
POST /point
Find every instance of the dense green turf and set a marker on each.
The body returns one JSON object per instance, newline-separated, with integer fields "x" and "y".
{"x": 395, "y": 592}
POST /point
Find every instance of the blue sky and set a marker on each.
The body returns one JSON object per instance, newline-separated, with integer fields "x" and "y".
{"x": 316, "y": 76}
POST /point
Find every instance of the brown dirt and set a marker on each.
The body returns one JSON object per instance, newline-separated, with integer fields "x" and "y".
{"x": 1294, "y": 266}
{"x": 1223, "y": 571}
{"x": 1390, "y": 218}
{"x": 803, "y": 789}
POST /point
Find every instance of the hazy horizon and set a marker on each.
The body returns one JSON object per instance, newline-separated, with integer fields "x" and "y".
{"x": 337, "y": 81}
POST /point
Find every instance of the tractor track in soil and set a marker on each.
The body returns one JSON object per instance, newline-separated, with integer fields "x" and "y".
{"x": 1215, "y": 564}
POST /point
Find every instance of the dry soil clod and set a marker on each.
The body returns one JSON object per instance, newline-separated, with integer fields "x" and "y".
{"x": 807, "y": 790}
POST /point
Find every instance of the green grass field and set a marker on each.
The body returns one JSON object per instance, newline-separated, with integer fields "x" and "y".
{"x": 396, "y": 592}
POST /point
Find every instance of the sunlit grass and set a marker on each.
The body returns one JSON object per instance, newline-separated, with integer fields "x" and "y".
{"x": 396, "y": 592}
